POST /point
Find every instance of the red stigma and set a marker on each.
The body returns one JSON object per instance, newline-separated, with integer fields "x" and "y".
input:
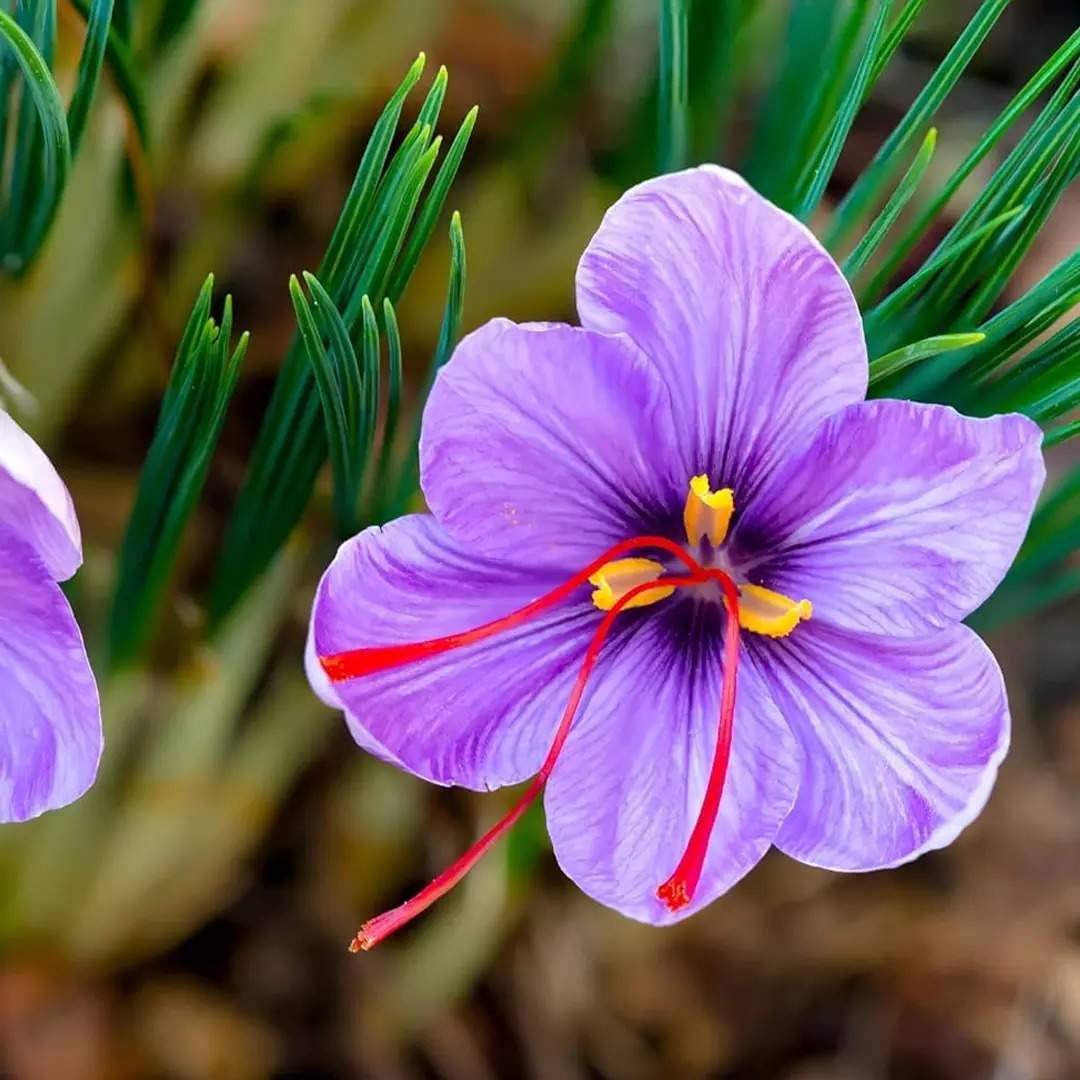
{"x": 678, "y": 890}
{"x": 356, "y": 662}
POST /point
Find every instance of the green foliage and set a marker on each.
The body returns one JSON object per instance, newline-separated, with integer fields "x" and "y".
{"x": 36, "y": 162}
{"x": 883, "y": 367}
{"x": 674, "y": 118}
{"x": 86, "y": 81}
{"x": 192, "y": 412}
{"x": 455, "y": 299}
{"x": 905, "y": 190}
{"x": 876, "y": 176}
{"x": 173, "y": 19}
{"x": 36, "y": 158}
{"x": 372, "y": 253}
{"x": 374, "y": 477}
{"x": 820, "y": 160}
{"x": 570, "y": 72}
{"x": 123, "y": 68}
{"x": 348, "y": 387}
{"x": 799, "y": 111}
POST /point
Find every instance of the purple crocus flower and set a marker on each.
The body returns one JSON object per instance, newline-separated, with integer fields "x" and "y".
{"x": 701, "y": 452}
{"x": 50, "y": 719}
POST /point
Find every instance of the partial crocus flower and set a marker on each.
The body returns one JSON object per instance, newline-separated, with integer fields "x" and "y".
{"x": 50, "y": 719}
{"x": 627, "y": 515}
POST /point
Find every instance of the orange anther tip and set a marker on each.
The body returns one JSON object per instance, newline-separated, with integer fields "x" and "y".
{"x": 332, "y": 666}
{"x": 674, "y": 895}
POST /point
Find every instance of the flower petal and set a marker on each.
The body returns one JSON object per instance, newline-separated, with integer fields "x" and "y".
{"x": 623, "y": 798}
{"x": 326, "y": 692}
{"x": 899, "y": 517}
{"x": 751, "y": 323}
{"x": 480, "y": 716}
{"x": 35, "y": 502}
{"x": 50, "y": 719}
{"x": 540, "y": 442}
{"x": 901, "y": 740}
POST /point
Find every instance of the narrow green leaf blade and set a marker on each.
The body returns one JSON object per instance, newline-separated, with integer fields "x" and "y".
{"x": 876, "y": 175}
{"x": 1058, "y": 435}
{"x": 674, "y": 102}
{"x": 189, "y": 425}
{"x": 86, "y": 79}
{"x": 821, "y": 161}
{"x": 50, "y": 133}
{"x": 433, "y": 207}
{"x": 894, "y": 362}
{"x": 868, "y": 245}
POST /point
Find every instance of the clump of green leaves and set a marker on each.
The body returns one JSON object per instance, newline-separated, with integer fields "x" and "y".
{"x": 35, "y": 157}
{"x": 374, "y": 474}
{"x": 384, "y": 226}
{"x": 189, "y": 424}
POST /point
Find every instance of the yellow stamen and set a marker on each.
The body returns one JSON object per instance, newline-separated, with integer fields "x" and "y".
{"x": 763, "y": 611}
{"x": 615, "y": 579}
{"x": 707, "y": 513}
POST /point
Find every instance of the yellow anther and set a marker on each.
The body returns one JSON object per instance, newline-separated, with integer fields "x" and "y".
{"x": 707, "y": 513}
{"x": 763, "y": 611}
{"x": 615, "y": 579}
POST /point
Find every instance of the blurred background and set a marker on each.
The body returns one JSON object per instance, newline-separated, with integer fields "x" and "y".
{"x": 190, "y": 920}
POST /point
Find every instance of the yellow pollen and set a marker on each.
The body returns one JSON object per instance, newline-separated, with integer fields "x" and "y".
{"x": 707, "y": 513}
{"x": 763, "y": 611}
{"x": 615, "y": 579}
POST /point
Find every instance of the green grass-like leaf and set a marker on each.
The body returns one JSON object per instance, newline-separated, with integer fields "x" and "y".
{"x": 41, "y": 158}
{"x": 821, "y": 161}
{"x": 905, "y": 190}
{"x": 883, "y": 367}
{"x": 893, "y": 39}
{"x": 173, "y": 20}
{"x": 455, "y": 297}
{"x": 1005, "y": 121}
{"x": 401, "y": 488}
{"x": 372, "y": 253}
{"x": 189, "y": 423}
{"x": 86, "y": 80}
{"x": 875, "y": 177}
{"x": 38, "y": 157}
{"x": 125, "y": 73}
{"x": 1061, "y": 434}
{"x": 674, "y": 100}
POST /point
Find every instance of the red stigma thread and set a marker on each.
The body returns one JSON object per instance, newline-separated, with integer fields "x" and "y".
{"x": 679, "y": 889}
{"x": 382, "y": 926}
{"x": 356, "y": 662}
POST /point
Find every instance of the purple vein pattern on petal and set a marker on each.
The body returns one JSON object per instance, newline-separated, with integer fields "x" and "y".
{"x": 749, "y": 320}
{"x": 50, "y": 720}
{"x": 902, "y": 738}
{"x": 624, "y": 796}
{"x": 480, "y": 716}
{"x": 899, "y": 517}
{"x": 548, "y": 443}
{"x": 35, "y": 503}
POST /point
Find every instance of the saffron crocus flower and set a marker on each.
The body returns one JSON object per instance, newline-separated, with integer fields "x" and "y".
{"x": 626, "y": 513}
{"x": 50, "y": 720}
